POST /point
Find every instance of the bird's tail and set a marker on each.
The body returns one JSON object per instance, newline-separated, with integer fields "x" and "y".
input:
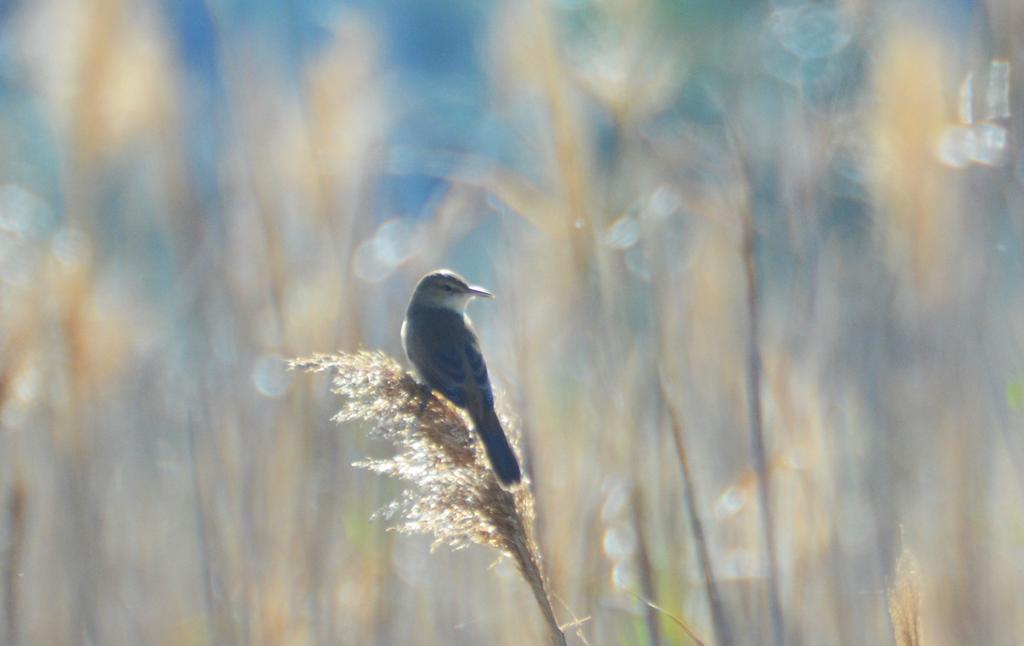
{"x": 499, "y": 451}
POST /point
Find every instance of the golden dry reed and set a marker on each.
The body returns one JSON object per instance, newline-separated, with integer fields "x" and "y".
{"x": 456, "y": 497}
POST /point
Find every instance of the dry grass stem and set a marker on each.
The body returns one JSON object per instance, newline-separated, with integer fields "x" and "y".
{"x": 643, "y": 558}
{"x": 685, "y": 627}
{"x": 456, "y": 497}
{"x": 754, "y": 411}
{"x": 723, "y": 633}
{"x": 16, "y": 504}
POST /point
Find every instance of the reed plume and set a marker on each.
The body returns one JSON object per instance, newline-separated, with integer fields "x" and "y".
{"x": 456, "y": 496}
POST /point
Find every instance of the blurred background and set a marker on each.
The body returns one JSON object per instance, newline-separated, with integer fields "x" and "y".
{"x": 194, "y": 191}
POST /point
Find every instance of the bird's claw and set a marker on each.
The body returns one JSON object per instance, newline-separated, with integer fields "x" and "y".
{"x": 425, "y": 394}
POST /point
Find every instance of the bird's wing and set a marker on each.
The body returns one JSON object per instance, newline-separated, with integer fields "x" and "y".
{"x": 457, "y": 369}
{"x": 444, "y": 348}
{"x": 478, "y": 371}
{"x": 445, "y": 371}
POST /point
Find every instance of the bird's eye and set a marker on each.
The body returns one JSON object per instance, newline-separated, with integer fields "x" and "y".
{"x": 448, "y": 288}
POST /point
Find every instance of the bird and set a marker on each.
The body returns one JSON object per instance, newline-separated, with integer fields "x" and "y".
{"x": 440, "y": 342}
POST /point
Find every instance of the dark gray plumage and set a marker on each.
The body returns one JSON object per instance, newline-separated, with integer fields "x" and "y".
{"x": 440, "y": 342}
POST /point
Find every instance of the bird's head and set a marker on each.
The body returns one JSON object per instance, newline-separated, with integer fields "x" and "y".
{"x": 446, "y": 289}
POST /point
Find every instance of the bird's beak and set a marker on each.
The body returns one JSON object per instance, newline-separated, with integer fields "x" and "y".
{"x": 473, "y": 290}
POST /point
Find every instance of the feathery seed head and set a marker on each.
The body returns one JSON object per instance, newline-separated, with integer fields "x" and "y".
{"x": 456, "y": 496}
